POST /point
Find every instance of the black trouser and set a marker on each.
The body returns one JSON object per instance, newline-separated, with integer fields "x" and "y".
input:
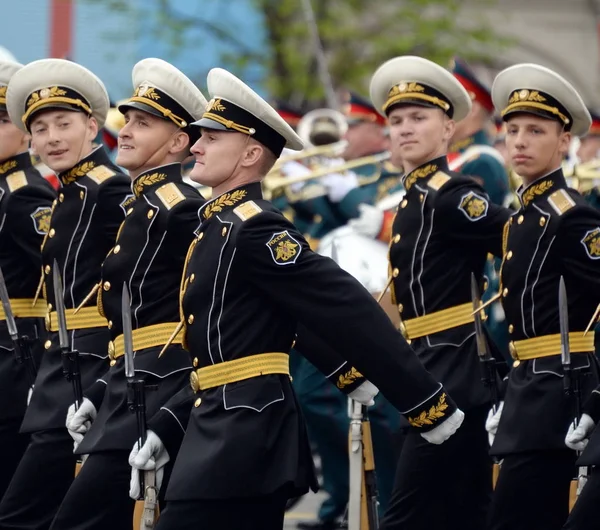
{"x": 12, "y": 448}
{"x": 99, "y": 496}
{"x": 40, "y": 482}
{"x": 532, "y": 492}
{"x": 443, "y": 487}
{"x": 586, "y": 512}
{"x": 252, "y": 513}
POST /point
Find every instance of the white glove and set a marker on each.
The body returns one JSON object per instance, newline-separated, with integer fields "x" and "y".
{"x": 492, "y": 422}
{"x": 369, "y": 221}
{"x": 578, "y": 437}
{"x": 438, "y": 435}
{"x": 152, "y": 455}
{"x": 30, "y": 393}
{"x": 338, "y": 185}
{"x": 79, "y": 422}
{"x": 365, "y": 394}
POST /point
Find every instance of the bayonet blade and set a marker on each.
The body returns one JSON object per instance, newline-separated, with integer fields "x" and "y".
{"x": 127, "y": 333}
{"x": 482, "y": 347}
{"x": 563, "y": 316}
{"x": 10, "y": 318}
{"x": 63, "y": 336}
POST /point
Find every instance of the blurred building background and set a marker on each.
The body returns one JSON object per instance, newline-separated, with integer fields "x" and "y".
{"x": 109, "y": 36}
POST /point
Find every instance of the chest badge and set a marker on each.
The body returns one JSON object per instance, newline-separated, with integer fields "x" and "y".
{"x": 41, "y": 219}
{"x": 285, "y": 250}
{"x": 591, "y": 243}
{"x": 474, "y": 206}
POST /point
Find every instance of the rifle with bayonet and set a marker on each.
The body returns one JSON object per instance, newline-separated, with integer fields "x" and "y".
{"x": 363, "y": 504}
{"x": 69, "y": 356}
{"x": 571, "y": 382}
{"x": 21, "y": 343}
{"x": 486, "y": 360}
{"x": 146, "y": 507}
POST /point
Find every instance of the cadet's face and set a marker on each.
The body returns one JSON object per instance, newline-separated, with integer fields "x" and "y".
{"x": 217, "y": 154}
{"x": 62, "y": 138}
{"x": 418, "y": 134}
{"x": 143, "y": 141}
{"x": 536, "y": 146}
{"x": 12, "y": 140}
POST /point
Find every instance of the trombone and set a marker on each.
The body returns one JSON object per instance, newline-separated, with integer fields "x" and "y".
{"x": 272, "y": 183}
{"x": 328, "y": 150}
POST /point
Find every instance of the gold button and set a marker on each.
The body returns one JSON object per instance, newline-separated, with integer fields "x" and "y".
{"x": 195, "y": 362}
{"x": 54, "y": 202}
{"x": 117, "y": 249}
{"x": 421, "y": 197}
{"x": 48, "y": 344}
{"x": 293, "y": 343}
{"x": 47, "y": 269}
{"x": 485, "y": 285}
{"x": 396, "y": 238}
{"x": 505, "y": 292}
{"x": 52, "y": 232}
{"x": 200, "y": 236}
{"x": 520, "y": 219}
{"x": 61, "y": 197}
{"x": 194, "y": 381}
{"x": 224, "y": 231}
{"x": 129, "y": 211}
{"x": 402, "y": 329}
{"x": 191, "y": 319}
{"x": 192, "y": 277}
{"x": 400, "y": 308}
{"x": 111, "y": 349}
{"x": 510, "y": 221}
{"x": 81, "y": 194}
{"x": 542, "y": 221}
{"x": 509, "y": 254}
{"x": 511, "y": 328}
{"x": 150, "y": 214}
{"x": 106, "y": 286}
{"x": 395, "y": 273}
{"x": 403, "y": 203}
{"x": 113, "y": 362}
{"x": 49, "y": 308}
{"x": 110, "y": 324}
{"x": 516, "y": 363}
{"x": 318, "y": 218}
{"x": 197, "y": 402}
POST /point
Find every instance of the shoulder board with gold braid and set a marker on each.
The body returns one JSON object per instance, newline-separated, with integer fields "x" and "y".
{"x": 170, "y": 195}
{"x": 100, "y": 174}
{"x": 561, "y": 201}
{"x": 16, "y": 180}
{"x": 438, "y": 180}
{"x": 247, "y": 210}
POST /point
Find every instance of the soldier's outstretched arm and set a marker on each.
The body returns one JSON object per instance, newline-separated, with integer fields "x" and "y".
{"x": 333, "y": 305}
{"x": 338, "y": 371}
{"x": 466, "y": 208}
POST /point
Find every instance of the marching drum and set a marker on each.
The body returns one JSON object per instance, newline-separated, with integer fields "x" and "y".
{"x": 364, "y": 258}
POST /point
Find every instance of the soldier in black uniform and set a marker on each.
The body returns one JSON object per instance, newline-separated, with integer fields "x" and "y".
{"x": 148, "y": 255}
{"x": 553, "y": 234}
{"x": 245, "y": 450}
{"x": 62, "y": 105}
{"x": 25, "y": 203}
{"x": 443, "y": 230}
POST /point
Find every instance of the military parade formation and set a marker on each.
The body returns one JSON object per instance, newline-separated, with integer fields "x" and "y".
{"x": 209, "y": 290}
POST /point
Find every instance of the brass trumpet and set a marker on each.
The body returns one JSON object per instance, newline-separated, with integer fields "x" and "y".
{"x": 329, "y": 150}
{"x": 272, "y": 183}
